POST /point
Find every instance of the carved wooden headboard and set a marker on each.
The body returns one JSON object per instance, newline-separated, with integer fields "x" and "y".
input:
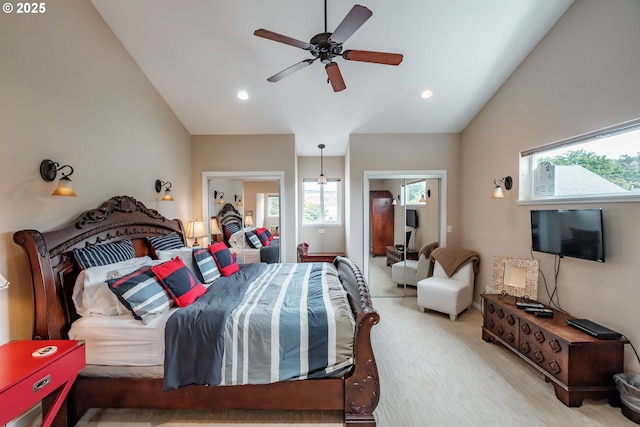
{"x": 228, "y": 214}
{"x": 53, "y": 268}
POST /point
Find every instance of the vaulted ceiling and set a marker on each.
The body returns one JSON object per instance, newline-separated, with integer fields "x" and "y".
{"x": 200, "y": 53}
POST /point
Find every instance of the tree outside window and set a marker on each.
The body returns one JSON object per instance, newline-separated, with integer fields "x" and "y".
{"x": 273, "y": 205}
{"x": 601, "y": 164}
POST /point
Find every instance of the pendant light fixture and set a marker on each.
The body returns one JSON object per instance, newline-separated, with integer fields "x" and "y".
{"x": 321, "y": 179}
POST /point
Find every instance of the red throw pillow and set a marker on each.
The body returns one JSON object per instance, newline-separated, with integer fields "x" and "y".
{"x": 225, "y": 261}
{"x": 269, "y": 235}
{"x": 181, "y": 285}
{"x": 263, "y": 236}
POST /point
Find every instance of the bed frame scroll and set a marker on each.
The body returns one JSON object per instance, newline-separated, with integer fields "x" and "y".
{"x": 53, "y": 272}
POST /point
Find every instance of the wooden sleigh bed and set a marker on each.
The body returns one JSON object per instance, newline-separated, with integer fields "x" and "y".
{"x": 356, "y": 393}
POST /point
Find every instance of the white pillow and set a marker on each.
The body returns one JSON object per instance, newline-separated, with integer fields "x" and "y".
{"x": 92, "y": 296}
{"x": 239, "y": 239}
{"x": 185, "y": 254}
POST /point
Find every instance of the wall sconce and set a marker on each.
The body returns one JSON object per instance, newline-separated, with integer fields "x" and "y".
{"x": 196, "y": 229}
{"x": 248, "y": 220}
{"x": 423, "y": 199}
{"x": 497, "y": 192}
{"x": 221, "y": 199}
{"x": 214, "y": 229}
{"x": 321, "y": 179}
{"x": 395, "y": 201}
{"x": 237, "y": 199}
{"x": 49, "y": 170}
{"x": 167, "y": 197}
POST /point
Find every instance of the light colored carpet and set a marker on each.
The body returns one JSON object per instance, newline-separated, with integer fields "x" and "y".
{"x": 380, "y": 284}
{"x": 433, "y": 372}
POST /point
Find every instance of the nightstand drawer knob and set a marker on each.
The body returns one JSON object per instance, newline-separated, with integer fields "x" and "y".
{"x": 41, "y": 384}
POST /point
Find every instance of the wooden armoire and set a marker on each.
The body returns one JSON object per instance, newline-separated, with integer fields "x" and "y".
{"x": 381, "y": 212}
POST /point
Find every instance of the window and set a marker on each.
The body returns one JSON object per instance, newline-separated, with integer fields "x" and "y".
{"x": 413, "y": 193}
{"x": 273, "y": 205}
{"x": 604, "y": 164}
{"x": 322, "y": 204}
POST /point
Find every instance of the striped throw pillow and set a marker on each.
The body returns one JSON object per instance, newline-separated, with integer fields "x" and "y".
{"x": 229, "y": 229}
{"x": 107, "y": 253}
{"x": 253, "y": 239}
{"x": 166, "y": 242}
{"x": 142, "y": 293}
{"x": 206, "y": 265}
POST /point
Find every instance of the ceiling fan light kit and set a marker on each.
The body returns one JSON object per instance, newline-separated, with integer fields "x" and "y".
{"x": 327, "y": 46}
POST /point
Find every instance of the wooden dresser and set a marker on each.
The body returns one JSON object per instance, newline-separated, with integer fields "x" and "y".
{"x": 381, "y": 220}
{"x": 579, "y": 366}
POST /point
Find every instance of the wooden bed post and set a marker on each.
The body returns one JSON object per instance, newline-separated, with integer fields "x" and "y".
{"x": 362, "y": 387}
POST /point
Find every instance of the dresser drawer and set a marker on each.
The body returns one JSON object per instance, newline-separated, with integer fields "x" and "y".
{"x": 547, "y": 350}
{"x": 26, "y": 380}
{"x": 502, "y": 322}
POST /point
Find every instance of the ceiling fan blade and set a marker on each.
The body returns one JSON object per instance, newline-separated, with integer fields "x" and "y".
{"x": 282, "y": 39}
{"x": 376, "y": 57}
{"x": 357, "y": 16}
{"x": 335, "y": 77}
{"x": 284, "y": 73}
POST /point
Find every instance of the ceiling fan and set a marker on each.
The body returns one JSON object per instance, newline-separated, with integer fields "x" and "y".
{"x": 326, "y": 46}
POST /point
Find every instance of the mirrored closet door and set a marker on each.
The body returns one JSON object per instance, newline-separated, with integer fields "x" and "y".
{"x": 237, "y": 204}
{"x": 404, "y": 216}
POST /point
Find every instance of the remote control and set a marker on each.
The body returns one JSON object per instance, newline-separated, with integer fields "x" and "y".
{"x": 543, "y": 314}
{"x": 529, "y": 305}
{"x": 45, "y": 351}
{"x": 538, "y": 310}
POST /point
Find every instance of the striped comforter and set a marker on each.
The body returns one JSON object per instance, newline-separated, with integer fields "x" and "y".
{"x": 266, "y": 323}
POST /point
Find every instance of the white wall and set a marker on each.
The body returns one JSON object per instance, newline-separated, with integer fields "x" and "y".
{"x": 332, "y": 238}
{"x": 71, "y": 93}
{"x": 398, "y": 152}
{"x": 583, "y": 76}
{"x": 253, "y": 153}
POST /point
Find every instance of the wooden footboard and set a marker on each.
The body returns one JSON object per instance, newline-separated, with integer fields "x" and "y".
{"x": 53, "y": 275}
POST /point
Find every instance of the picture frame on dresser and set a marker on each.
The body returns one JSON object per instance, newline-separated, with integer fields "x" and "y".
{"x": 517, "y": 277}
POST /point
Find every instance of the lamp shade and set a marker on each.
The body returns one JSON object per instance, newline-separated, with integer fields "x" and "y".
{"x": 213, "y": 225}
{"x": 497, "y": 193}
{"x": 196, "y": 229}
{"x": 248, "y": 220}
{"x": 167, "y": 197}
{"x": 64, "y": 188}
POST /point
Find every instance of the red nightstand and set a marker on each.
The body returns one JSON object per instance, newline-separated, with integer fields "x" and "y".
{"x": 26, "y": 379}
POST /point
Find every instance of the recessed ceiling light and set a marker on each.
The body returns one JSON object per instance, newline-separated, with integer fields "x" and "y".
{"x": 426, "y": 94}
{"x": 243, "y": 95}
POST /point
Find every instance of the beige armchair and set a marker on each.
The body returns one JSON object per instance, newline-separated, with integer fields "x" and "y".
{"x": 450, "y": 289}
{"x": 409, "y": 272}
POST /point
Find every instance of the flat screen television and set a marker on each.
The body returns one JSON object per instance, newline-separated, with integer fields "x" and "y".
{"x": 576, "y": 233}
{"x": 412, "y": 218}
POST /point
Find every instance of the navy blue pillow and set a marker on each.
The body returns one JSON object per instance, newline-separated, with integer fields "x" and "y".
{"x": 253, "y": 239}
{"x": 179, "y": 282}
{"x": 166, "y": 242}
{"x": 142, "y": 293}
{"x": 206, "y": 264}
{"x": 229, "y": 229}
{"x": 107, "y": 253}
{"x": 225, "y": 261}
